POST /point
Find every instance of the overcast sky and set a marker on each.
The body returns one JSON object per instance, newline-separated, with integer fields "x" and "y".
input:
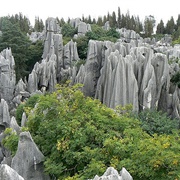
{"x": 160, "y": 9}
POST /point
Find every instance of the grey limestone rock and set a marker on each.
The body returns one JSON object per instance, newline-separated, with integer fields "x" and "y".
{"x": 35, "y": 36}
{"x": 106, "y": 26}
{"x": 20, "y": 87}
{"x": 7, "y": 75}
{"x": 14, "y": 125}
{"x": 83, "y": 28}
{"x": 75, "y": 22}
{"x": 23, "y": 119}
{"x": 7, "y": 173}
{"x": 70, "y": 54}
{"x": 92, "y": 67}
{"x": 4, "y": 114}
{"x": 28, "y": 160}
{"x": 117, "y": 84}
{"x": 112, "y": 174}
{"x": 32, "y": 85}
{"x": 125, "y": 174}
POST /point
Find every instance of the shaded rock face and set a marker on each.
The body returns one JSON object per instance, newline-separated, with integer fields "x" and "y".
{"x": 7, "y": 75}
{"x": 112, "y": 174}
{"x": 129, "y": 73}
{"x": 28, "y": 160}
{"x": 35, "y": 36}
{"x": 82, "y": 27}
{"x": 7, "y": 173}
{"x": 4, "y": 115}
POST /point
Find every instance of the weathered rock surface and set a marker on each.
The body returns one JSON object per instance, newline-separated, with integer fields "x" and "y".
{"x": 83, "y": 28}
{"x": 28, "y": 160}
{"x": 35, "y": 36}
{"x": 7, "y": 173}
{"x": 4, "y": 115}
{"x": 7, "y": 75}
{"x": 112, "y": 174}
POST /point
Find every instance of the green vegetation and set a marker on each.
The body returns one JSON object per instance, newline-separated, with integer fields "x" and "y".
{"x": 81, "y": 137}
{"x": 176, "y": 79}
{"x": 25, "y": 53}
{"x": 10, "y": 141}
{"x": 153, "y": 121}
{"x": 29, "y": 104}
{"x": 68, "y": 31}
{"x": 70, "y": 131}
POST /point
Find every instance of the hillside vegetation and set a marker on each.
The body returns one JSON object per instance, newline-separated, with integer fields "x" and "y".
{"x": 78, "y": 135}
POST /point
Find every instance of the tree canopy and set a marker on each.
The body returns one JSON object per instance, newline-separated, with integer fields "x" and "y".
{"x": 80, "y": 137}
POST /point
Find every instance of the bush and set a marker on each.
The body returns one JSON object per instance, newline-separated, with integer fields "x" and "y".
{"x": 154, "y": 121}
{"x": 10, "y": 141}
{"x": 30, "y": 103}
{"x": 176, "y": 79}
{"x": 68, "y": 31}
{"x": 81, "y": 137}
{"x": 70, "y": 130}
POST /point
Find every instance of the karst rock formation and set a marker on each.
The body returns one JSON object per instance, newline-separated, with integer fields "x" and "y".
{"x": 132, "y": 70}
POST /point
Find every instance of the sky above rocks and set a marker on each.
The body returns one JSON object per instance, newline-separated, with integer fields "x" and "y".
{"x": 160, "y": 9}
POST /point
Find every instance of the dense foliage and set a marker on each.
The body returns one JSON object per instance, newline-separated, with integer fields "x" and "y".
{"x": 29, "y": 104}
{"x": 10, "y": 140}
{"x": 70, "y": 130}
{"x": 81, "y": 137}
{"x": 24, "y": 51}
{"x": 153, "y": 121}
{"x": 176, "y": 79}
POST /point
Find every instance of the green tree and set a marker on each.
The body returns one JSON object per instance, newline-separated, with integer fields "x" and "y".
{"x": 13, "y": 38}
{"x": 68, "y": 31}
{"x": 70, "y": 130}
{"x": 34, "y": 54}
{"x": 153, "y": 121}
{"x": 170, "y": 26}
{"x": 100, "y": 21}
{"x": 149, "y": 24}
{"x": 114, "y": 21}
{"x": 160, "y": 28}
{"x": 119, "y": 18}
{"x": 39, "y": 25}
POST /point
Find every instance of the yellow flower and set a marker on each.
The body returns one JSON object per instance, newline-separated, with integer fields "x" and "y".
{"x": 166, "y": 145}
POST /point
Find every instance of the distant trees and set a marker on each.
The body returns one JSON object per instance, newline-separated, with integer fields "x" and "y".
{"x": 160, "y": 28}
{"x": 20, "y": 20}
{"x": 13, "y": 38}
{"x": 170, "y": 26}
{"x": 25, "y": 53}
{"x": 149, "y": 24}
{"x": 81, "y": 137}
{"x": 39, "y": 25}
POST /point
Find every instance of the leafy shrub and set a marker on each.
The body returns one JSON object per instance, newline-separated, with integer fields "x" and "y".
{"x": 70, "y": 130}
{"x": 147, "y": 157}
{"x": 21, "y": 108}
{"x": 11, "y": 140}
{"x": 82, "y": 46}
{"x": 68, "y": 31}
{"x": 154, "y": 121}
{"x": 81, "y": 137}
{"x": 176, "y": 79}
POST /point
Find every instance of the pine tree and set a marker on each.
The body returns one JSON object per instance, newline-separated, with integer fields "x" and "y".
{"x": 114, "y": 21}
{"x": 160, "y": 28}
{"x": 99, "y": 21}
{"x": 119, "y": 18}
{"x": 104, "y": 19}
{"x": 89, "y": 20}
{"x": 13, "y": 38}
{"x": 39, "y": 25}
{"x": 149, "y": 24}
{"x": 170, "y": 26}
